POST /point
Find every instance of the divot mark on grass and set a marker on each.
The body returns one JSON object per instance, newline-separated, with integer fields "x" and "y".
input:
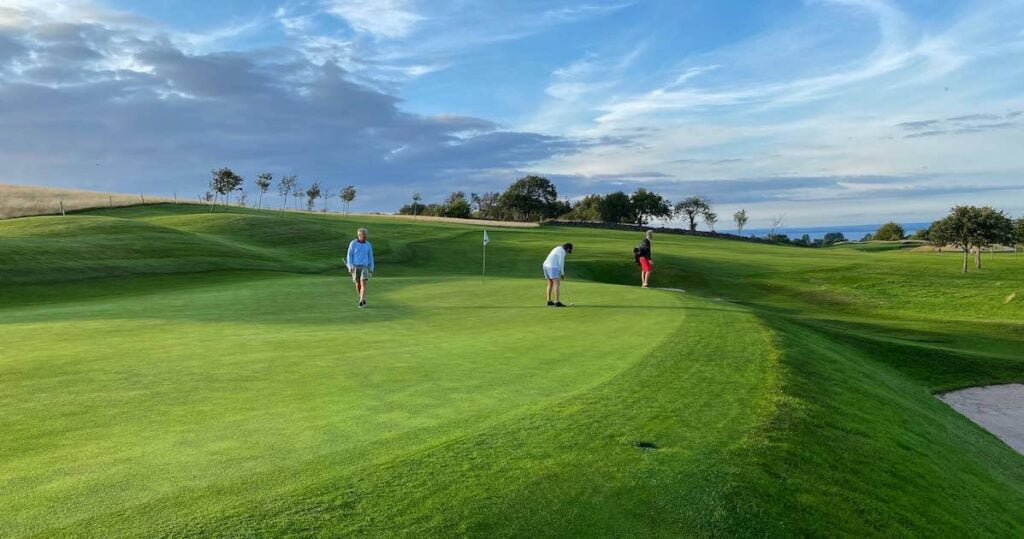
{"x": 647, "y": 446}
{"x": 1011, "y": 297}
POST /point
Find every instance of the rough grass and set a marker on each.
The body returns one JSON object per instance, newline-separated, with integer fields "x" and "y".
{"x": 171, "y": 372}
{"x": 26, "y": 200}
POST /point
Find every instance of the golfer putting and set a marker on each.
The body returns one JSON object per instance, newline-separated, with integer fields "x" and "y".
{"x": 360, "y": 263}
{"x": 554, "y": 272}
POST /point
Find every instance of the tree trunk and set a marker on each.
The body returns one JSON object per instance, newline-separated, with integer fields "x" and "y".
{"x": 259, "y": 201}
{"x": 967, "y": 252}
{"x": 977, "y": 258}
{"x": 285, "y": 205}
{"x": 214, "y": 203}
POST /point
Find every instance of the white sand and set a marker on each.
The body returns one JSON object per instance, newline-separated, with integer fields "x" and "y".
{"x": 999, "y": 409}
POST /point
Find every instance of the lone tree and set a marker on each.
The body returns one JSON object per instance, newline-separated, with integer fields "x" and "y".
{"x": 691, "y": 208}
{"x": 224, "y": 181}
{"x": 710, "y": 218}
{"x": 971, "y": 228}
{"x": 297, "y": 191}
{"x": 775, "y": 224}
{"x": 832, "y": 238}
{"x": 285, "y": 188}
{"x": 647, "y": 205}
{"x": 325, "y": 195}
{"x": 616, "y": 208}
{"x": 347, "y": 195}
{"x": 456, "y": 205}
{"x": 417, "y": 205}
{"x": 263, "y": 182}
{"x": 996, "y": 229}
{"x": 487, "y": 205}
{"x": 891, "y": 231}
{"x": 312, "y": 194}
{"x": 740, "y": 218}
{"x": 529, "y": 198}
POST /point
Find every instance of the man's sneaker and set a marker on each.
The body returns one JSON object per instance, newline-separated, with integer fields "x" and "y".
{"x": 559, "y": 304}
{"x": 551, "y": 304}
{"x": 362, "y": 303}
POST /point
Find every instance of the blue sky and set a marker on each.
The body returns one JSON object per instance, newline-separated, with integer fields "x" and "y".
{"x": 825, "y": 111}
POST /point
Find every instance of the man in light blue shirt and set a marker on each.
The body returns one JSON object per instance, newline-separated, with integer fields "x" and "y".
{"x": 360, "y": 263}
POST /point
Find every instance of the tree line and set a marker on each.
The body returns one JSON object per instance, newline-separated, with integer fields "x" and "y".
{"x": 225, "y": 182}
{"x": 535, "y": 198}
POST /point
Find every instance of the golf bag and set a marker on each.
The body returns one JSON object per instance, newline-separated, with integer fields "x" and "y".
{"x": 640, "y": 250}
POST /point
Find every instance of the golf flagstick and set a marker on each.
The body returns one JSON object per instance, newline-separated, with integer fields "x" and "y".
{"x": 483, "y": 270}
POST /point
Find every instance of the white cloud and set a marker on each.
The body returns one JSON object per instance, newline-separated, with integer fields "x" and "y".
{"x": 827, "y": 119}
{"x": 217, "y": 38}
{"x": 380, "y": 18}
{"x": 131, "y": 108}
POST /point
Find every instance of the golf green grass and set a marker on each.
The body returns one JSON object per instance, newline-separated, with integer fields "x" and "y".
{"x": 168, "y": 371}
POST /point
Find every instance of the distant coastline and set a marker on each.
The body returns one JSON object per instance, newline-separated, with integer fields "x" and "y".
{"x": 851, "y": 232}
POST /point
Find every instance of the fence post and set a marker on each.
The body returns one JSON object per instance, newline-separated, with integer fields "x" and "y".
{"x": 110, "y": 201}
{"x": 62, "y": 214}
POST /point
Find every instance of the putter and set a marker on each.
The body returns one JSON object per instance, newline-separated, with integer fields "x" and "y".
{"x": 566, "y": 291}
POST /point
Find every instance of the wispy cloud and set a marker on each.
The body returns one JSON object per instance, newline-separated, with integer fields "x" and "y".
{"x": 409, "y": 40}
{"x": 960, "y": 125}
{"x": 589, "y": 75}
{"x": 380, "y": 18}
{"x": 899, "y": 50}
{"x": 721, "y": 117}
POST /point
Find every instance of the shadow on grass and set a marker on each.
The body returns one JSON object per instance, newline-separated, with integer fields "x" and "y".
{"x": 943, "y": 360}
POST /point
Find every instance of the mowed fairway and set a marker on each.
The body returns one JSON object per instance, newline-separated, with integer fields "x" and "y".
{"x": 166, "y": 371}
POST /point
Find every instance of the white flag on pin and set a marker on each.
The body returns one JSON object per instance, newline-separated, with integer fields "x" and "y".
{"x": 486, "y": 239}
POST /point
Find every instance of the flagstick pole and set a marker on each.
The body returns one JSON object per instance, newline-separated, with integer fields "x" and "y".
{"x": 483, "y": 271}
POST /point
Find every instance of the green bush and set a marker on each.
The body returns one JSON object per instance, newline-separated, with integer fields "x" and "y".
{"x": 891, "y": 231}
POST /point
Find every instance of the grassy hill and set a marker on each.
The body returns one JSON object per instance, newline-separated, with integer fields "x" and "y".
{"x": 170, "y": 371}
{"x": 28, "y": 200}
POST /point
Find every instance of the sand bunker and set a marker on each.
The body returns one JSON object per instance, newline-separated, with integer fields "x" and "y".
{"x": 999, "y": 409}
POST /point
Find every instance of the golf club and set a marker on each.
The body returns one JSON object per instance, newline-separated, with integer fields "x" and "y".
{"x": 565, "y": 291}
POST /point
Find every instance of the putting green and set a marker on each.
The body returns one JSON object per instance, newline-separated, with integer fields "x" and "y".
{"x": 169, "y": 371}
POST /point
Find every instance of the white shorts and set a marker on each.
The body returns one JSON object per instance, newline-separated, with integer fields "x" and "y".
{"x": 551, "y": 273}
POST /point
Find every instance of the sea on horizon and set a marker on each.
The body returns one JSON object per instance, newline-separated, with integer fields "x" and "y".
{"x": 850, "y": 232}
